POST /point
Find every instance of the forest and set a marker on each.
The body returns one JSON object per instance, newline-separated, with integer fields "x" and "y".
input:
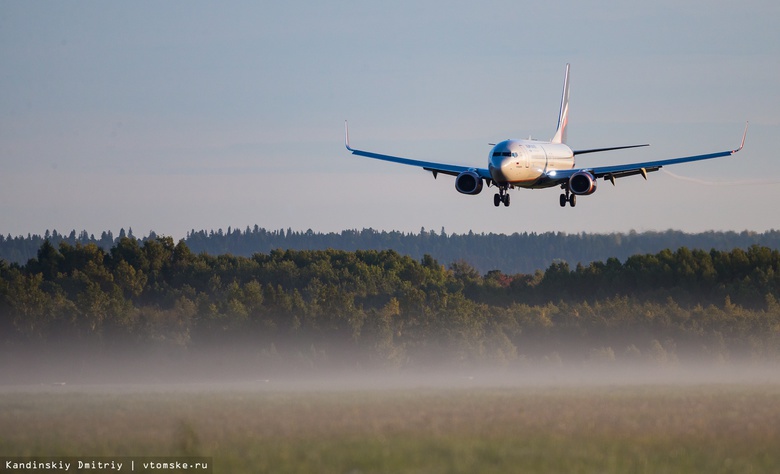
{"x": 521, "y": 252}
{"x": 379, "y": 308}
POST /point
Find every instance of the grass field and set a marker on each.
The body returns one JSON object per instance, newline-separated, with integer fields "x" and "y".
{"x": 601, "y": 429}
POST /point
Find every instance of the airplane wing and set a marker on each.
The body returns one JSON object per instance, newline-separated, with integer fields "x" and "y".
{"x": 431, "y": 166}
{"x": 620, "y": 171}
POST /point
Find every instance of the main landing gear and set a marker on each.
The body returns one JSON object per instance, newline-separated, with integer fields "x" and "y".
{"x": 568, "y": 197}
{"x": 501, "y": 196}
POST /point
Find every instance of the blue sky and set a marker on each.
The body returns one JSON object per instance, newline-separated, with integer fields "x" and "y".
{"x": 172, "y": 116}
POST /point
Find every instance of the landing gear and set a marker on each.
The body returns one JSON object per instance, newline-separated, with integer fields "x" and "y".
{"x": 568, "y": 198}
{"x": 501, "y": 196}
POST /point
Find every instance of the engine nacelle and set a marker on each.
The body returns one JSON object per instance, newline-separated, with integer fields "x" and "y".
{"x": 582, "y": 183}
{"x": 468, "y": 182}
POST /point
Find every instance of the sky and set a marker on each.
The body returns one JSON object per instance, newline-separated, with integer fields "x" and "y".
{"x": 191, "y": 115}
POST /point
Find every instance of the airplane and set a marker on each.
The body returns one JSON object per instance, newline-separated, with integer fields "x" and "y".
{"x": 534, "y": 164}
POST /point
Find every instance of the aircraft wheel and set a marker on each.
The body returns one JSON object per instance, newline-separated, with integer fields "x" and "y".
{"x": 573, "y": 200}
{"x": 506, "y": 200}
{"x": 496, "y": 200}
{"x": 563, "y": 200}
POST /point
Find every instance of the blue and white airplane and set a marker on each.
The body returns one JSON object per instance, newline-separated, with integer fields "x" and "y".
{"x": 536, "y": 164}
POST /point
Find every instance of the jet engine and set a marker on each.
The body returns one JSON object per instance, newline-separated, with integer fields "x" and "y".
{"x": 468, "y": 182}
{"x": 582, "y": 183}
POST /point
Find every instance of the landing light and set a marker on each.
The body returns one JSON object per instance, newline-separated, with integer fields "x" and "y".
{"x": 552, "y": 173}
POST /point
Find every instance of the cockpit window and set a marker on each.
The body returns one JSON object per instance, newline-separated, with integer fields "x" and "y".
{"x": 506, "y": 153}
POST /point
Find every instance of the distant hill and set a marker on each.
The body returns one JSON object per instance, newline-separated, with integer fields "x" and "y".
{"x": 515, "y": 253}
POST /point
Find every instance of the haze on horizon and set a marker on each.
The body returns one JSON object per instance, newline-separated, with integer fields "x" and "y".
{"x": 188, "y": 115}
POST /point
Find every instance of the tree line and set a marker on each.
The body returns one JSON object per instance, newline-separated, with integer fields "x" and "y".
{"x": 379, "y": 307}
{"x": 520, "y": 252}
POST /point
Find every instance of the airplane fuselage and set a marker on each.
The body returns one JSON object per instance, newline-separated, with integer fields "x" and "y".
{"x": 525, "y": 163}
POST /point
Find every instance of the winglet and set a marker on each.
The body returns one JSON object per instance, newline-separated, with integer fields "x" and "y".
{"x": 744, "y": 135}
{"x": 346, "y": 136}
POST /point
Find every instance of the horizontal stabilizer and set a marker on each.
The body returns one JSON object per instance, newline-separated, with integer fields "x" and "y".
{"x": 598, "y": 150}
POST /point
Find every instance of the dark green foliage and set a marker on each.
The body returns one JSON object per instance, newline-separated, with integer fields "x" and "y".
{"x": 378, "y": 307}
{"x": 517, "y": 253}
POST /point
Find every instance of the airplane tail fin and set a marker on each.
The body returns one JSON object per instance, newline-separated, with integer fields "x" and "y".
{"x": 563, "y": 116}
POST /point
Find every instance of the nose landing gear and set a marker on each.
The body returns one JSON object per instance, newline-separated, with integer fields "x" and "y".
{"x": 501, "y": 196}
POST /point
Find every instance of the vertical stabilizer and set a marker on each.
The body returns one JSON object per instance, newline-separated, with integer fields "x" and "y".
{"x": 563, "y": 116}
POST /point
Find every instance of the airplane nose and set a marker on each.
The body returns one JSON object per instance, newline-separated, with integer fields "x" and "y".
{"x": 498, "y": 166}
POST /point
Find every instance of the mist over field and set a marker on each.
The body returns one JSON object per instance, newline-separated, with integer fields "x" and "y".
{"x": 133, "y": 373}
{"x": 239, "y": 364}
